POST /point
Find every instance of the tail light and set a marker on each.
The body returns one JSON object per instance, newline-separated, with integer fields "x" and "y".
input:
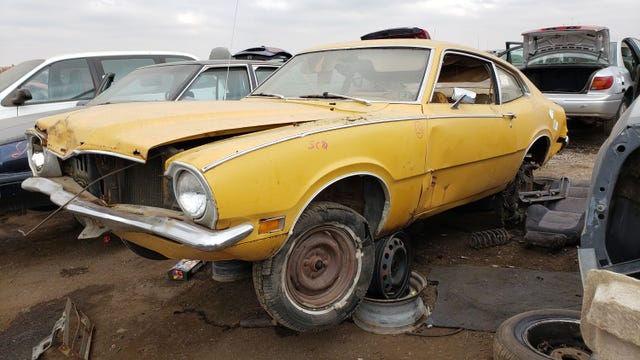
{"x": 601, "y": 82}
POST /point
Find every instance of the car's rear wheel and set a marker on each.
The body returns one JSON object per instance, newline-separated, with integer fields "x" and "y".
{"x": 608, "y": 124}
{"x": 321, "y": 274}
{"x": 511, "y": 211}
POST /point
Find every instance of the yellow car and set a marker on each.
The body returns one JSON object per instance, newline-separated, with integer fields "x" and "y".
{"x": 342, "y": 147}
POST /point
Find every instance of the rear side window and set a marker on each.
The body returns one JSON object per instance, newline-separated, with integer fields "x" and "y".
{"x": 122, "y": 67}
{"x": 510, "y": 88}
{"x": 263, "y": 72}
{"x": 219, "y": 84}
{"x": 61, "y": 81}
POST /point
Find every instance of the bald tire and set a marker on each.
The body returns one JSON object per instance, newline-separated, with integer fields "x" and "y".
{"x": 273, "y": 284}
{"x": 509, "y": 340}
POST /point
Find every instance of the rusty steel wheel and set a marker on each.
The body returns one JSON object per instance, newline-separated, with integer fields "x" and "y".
{"x": 321, "y": 273}
{"x": 321, "y": 266}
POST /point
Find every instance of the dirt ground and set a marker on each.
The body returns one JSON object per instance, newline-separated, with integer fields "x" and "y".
{"x": 139, "y": 313}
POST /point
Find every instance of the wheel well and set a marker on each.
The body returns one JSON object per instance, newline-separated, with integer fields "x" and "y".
{"x": 537, "y": 152}
{"x": 363, "y": 193}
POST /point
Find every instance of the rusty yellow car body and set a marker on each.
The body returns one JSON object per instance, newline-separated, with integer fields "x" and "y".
{"x": 455, "y": 128}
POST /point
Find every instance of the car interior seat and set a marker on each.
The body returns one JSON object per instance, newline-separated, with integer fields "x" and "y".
{"x": 557, "y": 223}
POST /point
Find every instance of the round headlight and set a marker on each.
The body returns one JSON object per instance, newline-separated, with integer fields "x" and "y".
{"x": 37, "y": 156}
{"x": 191, "y": 195}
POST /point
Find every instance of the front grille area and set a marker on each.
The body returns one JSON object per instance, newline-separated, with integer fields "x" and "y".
{"x": 123, "y": 181}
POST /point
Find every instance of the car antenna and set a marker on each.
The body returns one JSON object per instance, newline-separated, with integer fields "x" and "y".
{"x": 233, "y": 32}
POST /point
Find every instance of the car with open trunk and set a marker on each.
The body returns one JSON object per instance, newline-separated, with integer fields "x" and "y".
{"x": 580, "y": 68}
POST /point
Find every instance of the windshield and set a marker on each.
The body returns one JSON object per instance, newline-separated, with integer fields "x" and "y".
{"x": 12, "y": 75}
{"x": 154, "y": 83}
{"x": 373, "y": 74}
{"x": 568, "y": 58}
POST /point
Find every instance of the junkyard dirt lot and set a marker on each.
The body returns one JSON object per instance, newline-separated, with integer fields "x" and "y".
{"x": 139, "y": 313}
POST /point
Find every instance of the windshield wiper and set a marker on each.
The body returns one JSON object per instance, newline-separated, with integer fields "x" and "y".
{"x": 328, "y": 95}
{"x": 268, "y": 95}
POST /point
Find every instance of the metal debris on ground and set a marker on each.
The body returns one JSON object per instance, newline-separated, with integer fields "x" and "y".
{"x": 77, "y": 332}
{"x": 184, "y": 269}
{"x": 488, "y": 238}
{"x": 552, "y": 189}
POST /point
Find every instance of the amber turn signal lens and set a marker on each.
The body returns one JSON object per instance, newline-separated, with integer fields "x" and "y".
{"x": 271, "y": 225}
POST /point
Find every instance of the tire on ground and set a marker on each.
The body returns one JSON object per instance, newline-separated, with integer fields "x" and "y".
{"x": 533, "y": 334}
{"x": 322, "y": 272}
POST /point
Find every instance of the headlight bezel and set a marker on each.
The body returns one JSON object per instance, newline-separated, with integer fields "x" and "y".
{"x": 209, "y": 215}
{"x": 42, "y": 162}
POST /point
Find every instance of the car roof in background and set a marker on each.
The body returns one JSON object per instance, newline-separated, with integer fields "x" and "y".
{"x": 117, "y": 53}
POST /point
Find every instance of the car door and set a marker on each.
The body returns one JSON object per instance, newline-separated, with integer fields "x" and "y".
{"x": 630, "y": 52}
{"x": 471, "y": 147}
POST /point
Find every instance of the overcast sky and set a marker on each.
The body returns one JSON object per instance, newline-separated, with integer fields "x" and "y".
{"x": 40, "y": 28}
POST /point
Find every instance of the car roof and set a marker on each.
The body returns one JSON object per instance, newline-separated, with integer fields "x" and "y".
{"x": 116, "y": 53}
{"x": 395, "y": 42}
{"x": 233, "y": 62}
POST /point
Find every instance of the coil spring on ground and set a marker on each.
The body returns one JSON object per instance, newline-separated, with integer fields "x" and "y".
{"x": 489, "y": 238}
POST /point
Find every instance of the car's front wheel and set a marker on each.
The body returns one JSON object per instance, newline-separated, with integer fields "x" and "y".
{"x": 321, "y": 274}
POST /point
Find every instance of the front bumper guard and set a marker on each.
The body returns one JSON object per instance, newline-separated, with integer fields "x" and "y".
{"x": 192, "y": 235}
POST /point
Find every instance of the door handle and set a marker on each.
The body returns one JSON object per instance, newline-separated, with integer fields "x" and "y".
{"x": 509, "y": 116}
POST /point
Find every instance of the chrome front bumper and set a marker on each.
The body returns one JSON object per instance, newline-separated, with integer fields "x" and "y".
{"x": 182, "y": 232}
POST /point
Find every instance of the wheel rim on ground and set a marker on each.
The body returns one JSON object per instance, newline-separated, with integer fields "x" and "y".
{"x": 393, "y": 268}
{"x": 321, "y": 267}
{"x": 558, "y": 339}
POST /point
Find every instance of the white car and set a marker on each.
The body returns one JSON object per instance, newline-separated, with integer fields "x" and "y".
{"x": 36, "y": 86}
{"x": 579, "y": 68}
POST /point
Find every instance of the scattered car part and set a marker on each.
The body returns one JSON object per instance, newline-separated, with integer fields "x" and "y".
{"x": 184, "y": 269}
{"x": 557, "y": 221}
{"x": 398, "y": 33}
{"x": 230, "y": 270}
{"x": 556, "y": 190}
{"x": 392, "y": 270}
{"x": 488, "y": 238}
{"x": 394, "y": 316}
{"x": 613, "y": 217}
{"x": 541, "y": 335}
{"x": 77, "y": 332}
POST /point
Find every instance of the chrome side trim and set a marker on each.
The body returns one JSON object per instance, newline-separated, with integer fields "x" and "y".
{"x": 182, "y": 232}
{"x": 319, "y": 131}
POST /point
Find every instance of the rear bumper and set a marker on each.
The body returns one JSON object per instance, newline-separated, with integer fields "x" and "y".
{"x": 183, "y": 232}
{"x": 603, "y": 106}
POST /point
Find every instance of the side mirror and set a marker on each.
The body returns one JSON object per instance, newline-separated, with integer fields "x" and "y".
{"x": 106, "y": 82}
{"x": 17, "y": 98}
{"x": 463, "y": 96}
